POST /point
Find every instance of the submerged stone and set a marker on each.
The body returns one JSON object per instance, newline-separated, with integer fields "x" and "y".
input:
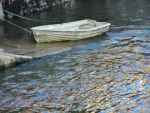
{"x": 8, "y": 60}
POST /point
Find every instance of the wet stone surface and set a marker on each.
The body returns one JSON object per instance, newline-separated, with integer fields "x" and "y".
{"x": 108, "y": 75}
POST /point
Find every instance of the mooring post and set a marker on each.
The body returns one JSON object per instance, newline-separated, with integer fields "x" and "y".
{"x": 1, "y": 11}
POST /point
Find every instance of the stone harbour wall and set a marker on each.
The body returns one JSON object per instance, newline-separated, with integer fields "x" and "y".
{"x": 28, "y": 7}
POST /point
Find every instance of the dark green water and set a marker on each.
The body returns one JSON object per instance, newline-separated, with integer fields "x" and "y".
{"x": 106, "y": 74}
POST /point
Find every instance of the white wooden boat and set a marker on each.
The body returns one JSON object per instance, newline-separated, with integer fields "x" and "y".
{"x": 69, "y": 31}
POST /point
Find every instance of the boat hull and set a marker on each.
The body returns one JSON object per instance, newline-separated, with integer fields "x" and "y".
{"x": 42, "y": 36}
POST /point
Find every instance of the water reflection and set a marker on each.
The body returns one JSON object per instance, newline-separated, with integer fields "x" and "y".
{"x": 119, "y": 13}
{"x": 101, "y": 75}
{"x": 97, "y": 76}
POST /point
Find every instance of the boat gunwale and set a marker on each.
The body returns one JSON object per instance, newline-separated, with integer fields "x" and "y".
{"x": 74, "y": 31}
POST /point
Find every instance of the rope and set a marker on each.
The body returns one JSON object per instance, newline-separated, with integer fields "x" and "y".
{"x": 24, "y": 29}
{"x": 23, "y": 17}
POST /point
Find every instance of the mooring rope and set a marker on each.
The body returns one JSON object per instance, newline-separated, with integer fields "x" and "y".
{"x": 20, "y": 27}
{"x": 24, "y": 17}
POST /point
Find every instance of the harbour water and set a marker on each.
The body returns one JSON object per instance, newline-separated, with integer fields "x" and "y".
{"x": 105, "y": 74}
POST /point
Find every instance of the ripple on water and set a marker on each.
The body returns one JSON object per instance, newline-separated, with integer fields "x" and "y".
{"x": 109, "y": 75}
